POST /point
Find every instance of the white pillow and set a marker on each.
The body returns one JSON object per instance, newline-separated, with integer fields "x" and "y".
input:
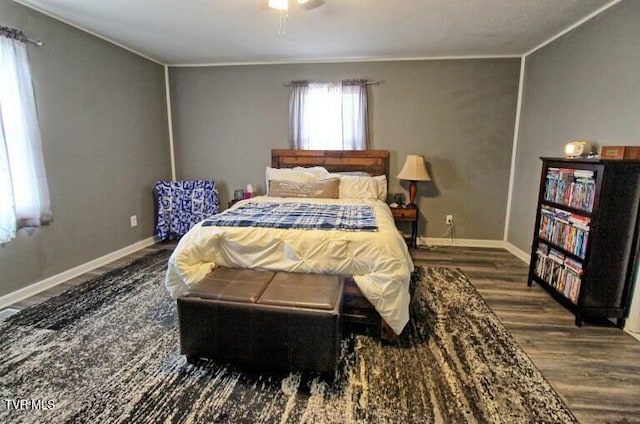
{"x": 366, "y": 188}
{"x": 318, "y": 172}
{"x": 382, "y": 187}
{"x": 297, "y": 174}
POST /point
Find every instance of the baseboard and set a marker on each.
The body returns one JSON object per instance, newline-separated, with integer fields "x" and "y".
{"x": 497, "y": 244}
{"x": 520, "y": 254}
{"x": 442, "y": 241}
{"x": 54, "y": 280}
{"x": 632, "y": 334}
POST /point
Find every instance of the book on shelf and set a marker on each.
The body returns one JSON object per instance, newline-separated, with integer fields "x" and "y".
{"x": 571, "y": 187}
{"x": 564, "y": 229}
{"x": 541, "y": 259}
{"x": 573, "y": 265}
{"x": 574, "y": 292}
{"x": 555, "y": 264}
{"x": 560, "y": 272}
{"x": 571, "y": 285}
{"x": 573, "y": 277}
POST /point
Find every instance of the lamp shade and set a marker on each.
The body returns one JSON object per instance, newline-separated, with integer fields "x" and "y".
{"x": 414, "y": 169}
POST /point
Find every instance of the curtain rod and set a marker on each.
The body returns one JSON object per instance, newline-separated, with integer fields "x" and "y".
{"x": 35, "y": 42}
{"x": 16, "y": 34}
{"x": 293, "y": 83}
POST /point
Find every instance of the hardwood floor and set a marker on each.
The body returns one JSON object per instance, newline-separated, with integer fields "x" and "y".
{"x": 42, "y": 296}
{"x": 595, "y": 368}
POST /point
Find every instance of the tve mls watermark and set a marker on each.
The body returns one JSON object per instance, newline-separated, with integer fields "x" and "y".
{"x": 29, "y": 404}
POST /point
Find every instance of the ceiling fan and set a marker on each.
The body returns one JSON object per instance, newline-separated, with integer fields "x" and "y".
{"x": 305, "y": 4}
{"x": 283, "y": 7}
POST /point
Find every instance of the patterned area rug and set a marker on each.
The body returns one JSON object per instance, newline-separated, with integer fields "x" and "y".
{"x": 107, "y": 351}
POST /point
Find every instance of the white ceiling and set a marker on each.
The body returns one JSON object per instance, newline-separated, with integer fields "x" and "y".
{"x": 184, "y": 32}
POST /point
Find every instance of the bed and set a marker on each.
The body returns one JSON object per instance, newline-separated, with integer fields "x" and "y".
{"x": 377, "y": 259}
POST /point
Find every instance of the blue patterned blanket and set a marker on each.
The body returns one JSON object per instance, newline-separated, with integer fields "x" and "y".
{"x": 182, "y": 204}
{"x": 303, "y": 216}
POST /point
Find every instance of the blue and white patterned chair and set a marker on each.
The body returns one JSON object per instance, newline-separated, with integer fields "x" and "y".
{"x": 182, "y": 204}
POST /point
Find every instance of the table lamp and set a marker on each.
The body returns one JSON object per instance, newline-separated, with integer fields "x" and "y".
{"x": 414, "y": 170}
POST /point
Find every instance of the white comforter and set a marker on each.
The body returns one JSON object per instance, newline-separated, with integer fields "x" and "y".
{"x": 379, "y": 261}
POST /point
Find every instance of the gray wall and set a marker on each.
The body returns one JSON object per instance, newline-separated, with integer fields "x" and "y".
{"x": 585, "y": 85}
{"x": 104, "y": 129}
{"x": 459, "y": 114}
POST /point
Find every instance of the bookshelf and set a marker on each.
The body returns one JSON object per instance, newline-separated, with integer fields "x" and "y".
{"x": 586, "y": 237}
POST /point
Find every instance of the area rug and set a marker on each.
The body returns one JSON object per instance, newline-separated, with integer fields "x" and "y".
{"x": 107, "y": 352}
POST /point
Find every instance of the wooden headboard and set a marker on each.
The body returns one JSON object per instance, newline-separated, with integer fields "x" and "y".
{"x": 373, "y": 162}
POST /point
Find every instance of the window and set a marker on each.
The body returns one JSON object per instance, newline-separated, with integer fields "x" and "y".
{"x": 24, "y": 194}
{"x": 328, "y": 116}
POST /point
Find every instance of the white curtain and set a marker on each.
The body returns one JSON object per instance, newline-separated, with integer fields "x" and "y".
{"x": 355, "y": 125}
{"x": 298, "y": 125}
{"x": 7, "y": 208}
{"x": 24, "y": 193}
{"x": 328, "y": 116}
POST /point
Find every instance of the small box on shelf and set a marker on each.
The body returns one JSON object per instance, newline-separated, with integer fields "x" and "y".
{"x": 620, "y": 152}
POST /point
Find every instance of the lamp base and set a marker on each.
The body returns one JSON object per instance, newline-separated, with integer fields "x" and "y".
{"x": 412, "y": 194}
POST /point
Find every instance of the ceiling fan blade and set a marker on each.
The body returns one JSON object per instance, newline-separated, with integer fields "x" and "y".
{"x": 310, "y": 4}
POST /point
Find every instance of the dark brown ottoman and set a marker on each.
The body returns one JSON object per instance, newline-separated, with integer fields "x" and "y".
{"x": 266, "y": 320}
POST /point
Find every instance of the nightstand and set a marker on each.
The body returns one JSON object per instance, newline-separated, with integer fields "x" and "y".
{"x": 411, "y": 216}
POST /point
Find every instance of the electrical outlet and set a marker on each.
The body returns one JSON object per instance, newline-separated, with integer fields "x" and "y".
{"x": 449, "y": 220}
{"x": 134, "y": 220}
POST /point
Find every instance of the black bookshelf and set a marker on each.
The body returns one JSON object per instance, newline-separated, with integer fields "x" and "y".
{"x": 586, "y": 236}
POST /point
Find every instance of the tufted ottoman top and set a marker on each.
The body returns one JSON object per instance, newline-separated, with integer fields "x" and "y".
{"x": 286, "y": 289}
{"x": 297, "y": 290}
{"x": 232, "y": 284}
